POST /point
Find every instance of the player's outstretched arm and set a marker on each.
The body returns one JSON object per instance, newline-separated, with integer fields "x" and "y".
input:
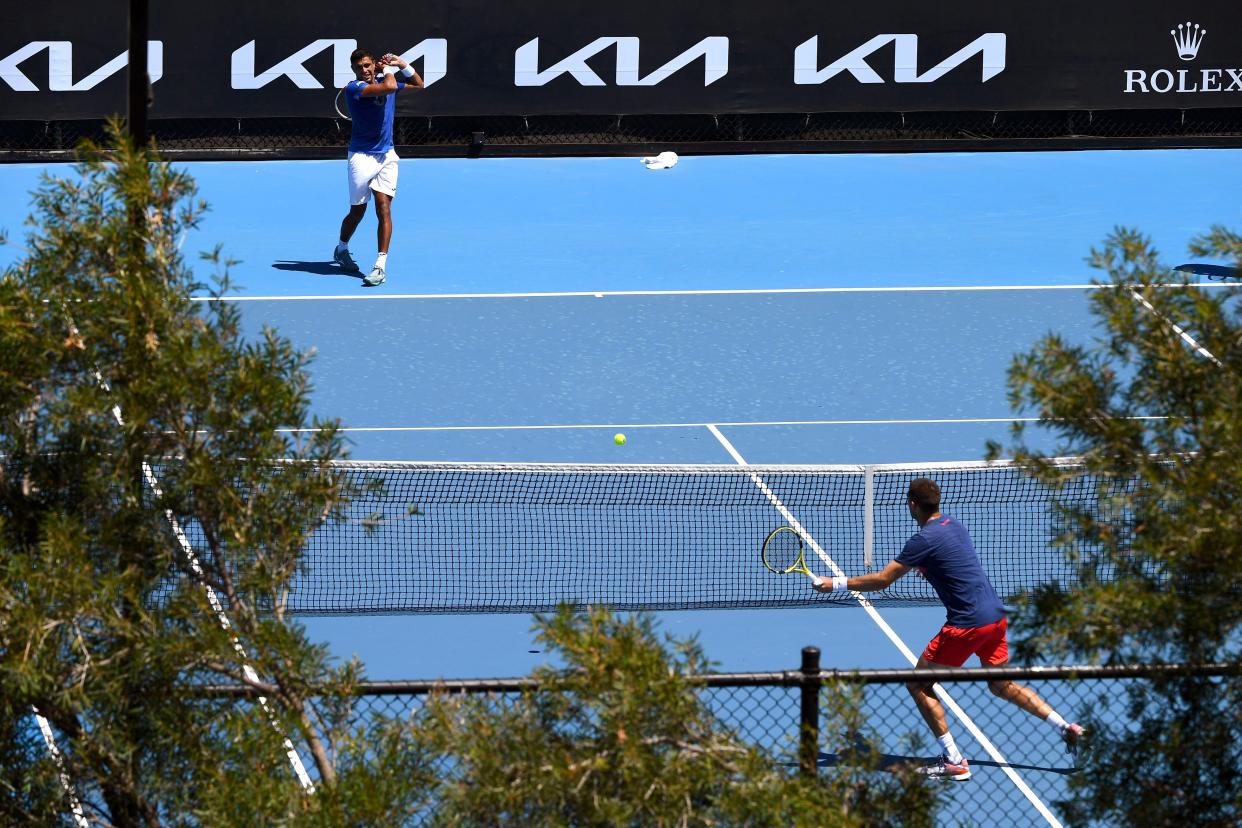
{"x": 866, "y": 583}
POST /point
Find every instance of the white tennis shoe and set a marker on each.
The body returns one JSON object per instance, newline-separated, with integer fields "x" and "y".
{"x": 942, "y": 768}
{"x": 375, "y": 278}
{"x": 345, "y": 260}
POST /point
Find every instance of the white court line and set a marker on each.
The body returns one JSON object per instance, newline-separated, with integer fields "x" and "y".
{"x": 1177, "y": 329}
{"x": 187, "y": 549}
{"x": 962, "y": 420}
{"x": 893, "y": 637}
{"x": 252, "y": 676}
{"x": 373, "y": 297}
{"x": 49, "y": 739}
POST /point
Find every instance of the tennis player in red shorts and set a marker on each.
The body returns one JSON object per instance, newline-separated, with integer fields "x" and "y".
{"x": 975, "y": 622}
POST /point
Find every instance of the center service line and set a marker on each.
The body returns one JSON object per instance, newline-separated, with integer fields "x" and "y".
{"x": 1177, "y": 329}
{"x": 892, "y": 636}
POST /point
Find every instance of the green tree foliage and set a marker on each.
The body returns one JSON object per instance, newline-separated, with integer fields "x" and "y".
{"x": 133, "y": 418}
{"x": 620, "y": 736}
{"x": 1158, "y": 421}
{"x": 105, "y": 625}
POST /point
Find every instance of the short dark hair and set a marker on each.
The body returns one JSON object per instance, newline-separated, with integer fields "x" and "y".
{"x": 358, "y": 54}
{"x": 925, "y": 494}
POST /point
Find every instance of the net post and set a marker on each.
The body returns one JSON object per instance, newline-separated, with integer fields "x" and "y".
{"x": 868, "y": 517}
{"x": 808, "y": 744}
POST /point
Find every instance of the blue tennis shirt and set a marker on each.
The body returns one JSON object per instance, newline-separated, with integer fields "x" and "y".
{"x": 943, "y": 552}
{"x": 371, "y": 119}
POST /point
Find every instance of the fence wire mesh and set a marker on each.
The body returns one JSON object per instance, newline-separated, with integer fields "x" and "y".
{"x": 1022, "y": 770}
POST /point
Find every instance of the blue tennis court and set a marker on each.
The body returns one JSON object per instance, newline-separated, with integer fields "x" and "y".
{"x": 785, "y": 309}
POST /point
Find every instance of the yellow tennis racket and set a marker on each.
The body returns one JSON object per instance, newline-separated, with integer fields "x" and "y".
{"x": 783, "y": 553}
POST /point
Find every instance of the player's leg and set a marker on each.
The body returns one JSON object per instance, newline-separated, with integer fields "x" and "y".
{"x": 927, "y": 703}
{"x": 383, "y": 213}
{"x": 384, "y": 188}
{"x": 993, "y": 651}
{"x": 351, "y": 221}
{"x": 1022, "y": 696}
{"x": 361, "y": 168}
{"x": 947, "y": 649}
{"x": 1027, "y": 699}
{"x": 383, "y": 234}
{"x": 348, "y": 225}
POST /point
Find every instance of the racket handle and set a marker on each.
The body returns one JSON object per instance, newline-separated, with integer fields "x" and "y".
{"x": 815, "y": 579}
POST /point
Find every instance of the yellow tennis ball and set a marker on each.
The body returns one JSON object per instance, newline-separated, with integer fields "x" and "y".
{"x": 619, "y": 439}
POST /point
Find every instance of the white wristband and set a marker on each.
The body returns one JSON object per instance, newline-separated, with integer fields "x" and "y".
{"x": 839, "y": 583}
{"x": 391, "y": 70}
{"x": 408, "y": 71}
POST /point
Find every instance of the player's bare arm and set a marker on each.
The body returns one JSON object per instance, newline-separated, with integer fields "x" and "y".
{"x": 870, "y": 582}
{"x": 377, "y": 90}
{"x": 412, "y": 80}
{"x": 372, "y": 73}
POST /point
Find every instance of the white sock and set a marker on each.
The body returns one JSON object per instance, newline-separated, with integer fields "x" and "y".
{"x": 1054, "y": 719}
{"x": 949, "y": 748}
{"x": 381, "y": 261}
{"x": 342, "y": 246}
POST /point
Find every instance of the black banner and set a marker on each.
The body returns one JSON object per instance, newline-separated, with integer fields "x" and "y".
{"x": 480, "y": 57}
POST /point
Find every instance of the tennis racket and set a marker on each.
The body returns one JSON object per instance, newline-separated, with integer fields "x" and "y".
{"x": 783, "y": 553}
{"x": 339, "y": 104}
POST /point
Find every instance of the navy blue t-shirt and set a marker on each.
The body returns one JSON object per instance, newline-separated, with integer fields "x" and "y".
{"x": 371, "y": 117}
{"x": 943, "y": 552}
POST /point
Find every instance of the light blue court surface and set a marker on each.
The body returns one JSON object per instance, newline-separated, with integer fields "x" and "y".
{"x": 519, "y": 225}
{"x": 649, "y": 346}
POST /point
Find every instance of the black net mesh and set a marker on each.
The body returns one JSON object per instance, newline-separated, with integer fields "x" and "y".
{"x": 635, "y": 134}
{"x": 481, "y": 537}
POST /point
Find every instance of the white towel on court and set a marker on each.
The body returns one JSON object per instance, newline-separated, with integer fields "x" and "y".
{"x": 663, "y": 161}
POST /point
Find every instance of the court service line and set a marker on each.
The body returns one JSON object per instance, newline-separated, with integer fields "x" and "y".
{"x": 600, "y": 294}
{"x": 892, "y": 636}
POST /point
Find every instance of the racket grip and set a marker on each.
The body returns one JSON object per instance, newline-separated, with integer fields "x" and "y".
{"x": 815, "y": 579}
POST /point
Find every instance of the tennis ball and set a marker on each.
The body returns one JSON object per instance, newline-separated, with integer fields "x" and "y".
{"x": 619, "y": 439}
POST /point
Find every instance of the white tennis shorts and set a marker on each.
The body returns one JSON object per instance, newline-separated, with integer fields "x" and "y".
{"x": 369, "y": 172}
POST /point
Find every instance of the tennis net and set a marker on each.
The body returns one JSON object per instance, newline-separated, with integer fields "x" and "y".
{"x": 485, "y": 537}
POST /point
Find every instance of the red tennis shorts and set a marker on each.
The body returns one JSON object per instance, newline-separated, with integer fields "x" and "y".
{"x": 953, "y": 645}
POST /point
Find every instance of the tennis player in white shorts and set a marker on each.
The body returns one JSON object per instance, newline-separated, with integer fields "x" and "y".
{"x": 372, "y": 159}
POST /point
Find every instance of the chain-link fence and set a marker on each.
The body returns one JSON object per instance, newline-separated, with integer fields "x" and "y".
{"x": 814, "y": 722}
{"x": 449, "y": 136}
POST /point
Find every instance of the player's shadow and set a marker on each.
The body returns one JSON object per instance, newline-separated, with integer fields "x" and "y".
{"x": 1222, "y": 273}
{"x": 895, "y": 762}
{"x": 327, "y": 268}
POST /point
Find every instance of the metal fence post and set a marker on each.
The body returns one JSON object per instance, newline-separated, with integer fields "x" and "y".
{"x": 808, "y": 746}
{"x": 139, "y": 81}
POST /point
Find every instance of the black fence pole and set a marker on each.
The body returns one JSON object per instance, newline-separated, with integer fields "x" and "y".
{"x": 808, "y": 746}
{"x": 139, "y": 84}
